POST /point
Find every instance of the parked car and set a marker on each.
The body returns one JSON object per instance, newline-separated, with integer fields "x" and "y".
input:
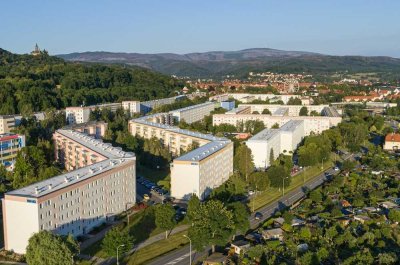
{"x": 258, "y": 215}
{"x": 146, "y": 197}
{"x": 250, "y": 192}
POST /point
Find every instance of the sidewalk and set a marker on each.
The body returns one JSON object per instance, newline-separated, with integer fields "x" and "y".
{"x": 145, "y": 243}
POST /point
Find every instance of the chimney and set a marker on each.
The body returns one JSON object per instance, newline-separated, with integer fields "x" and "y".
{"x": 50, "y": 186}
{"x": 36, "y": 190}
{"x": 78, "y": 176}
{"x": 66, "y": 180}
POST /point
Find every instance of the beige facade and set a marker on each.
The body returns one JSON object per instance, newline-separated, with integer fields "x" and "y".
{"x": 193, "y": 113}
{"x": 198, "y": 171}
{"x": 97, "y": 129}
{"x": 74, "y": 202}
{"x": 172, "y": 137}
{"x": 7, "y": 123}
{"x": 81, "y": 114}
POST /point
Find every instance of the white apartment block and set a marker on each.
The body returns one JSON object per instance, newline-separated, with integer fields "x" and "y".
{"x": 74, "y": 202}
{"x": 78, "y": 115}
{"x": 202, "y": 170}
{"x": 286, "y": 110}
{"x": 193, "y": 113}
{"x": 283, "y": 140}
{"x": 315, "y": 124}
{"x": 131, "y": 106}
{"x": 198, "y": 171}
{"x": 81, "y": 114}
{"x": 247, "y": 97}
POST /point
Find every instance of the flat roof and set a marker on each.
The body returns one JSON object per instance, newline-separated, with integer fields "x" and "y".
{"x": 203, "y": 151}
{"x": 193, "y": 107}
{"x": 42, "y": 188}
{"x": 170, "y": 128}
{"x": 116, "y": 157}
{"x": 97, "y": 145}
{"x": 291, "y": 125}
{"x": 280, "y": 111}
{"x": 265, "y": 134}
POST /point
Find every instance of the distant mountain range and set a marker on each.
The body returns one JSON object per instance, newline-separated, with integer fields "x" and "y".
{"x": 220, "y": 63}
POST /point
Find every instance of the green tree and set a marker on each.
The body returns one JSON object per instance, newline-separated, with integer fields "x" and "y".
{"x": 165, "y": 214}
{"x": 394, "y": 215}
{"x": 243, "y": 161}
{"x": 316, "y": 196}
{"x": 193, "y": 205}
{"x": 45, "y": 248}
{"x": 240, "y": 216}
{"x": 303, "y": 111}
{"x": 259, "y": 180}
{"x": 266, "y": 111}
{"x": 115, "y": 238}
{"x": 212, "y": 224}
{"x": 278, "y": 176}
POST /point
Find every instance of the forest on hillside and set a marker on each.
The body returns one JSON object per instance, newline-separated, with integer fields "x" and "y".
{"x": 37, "y": 83}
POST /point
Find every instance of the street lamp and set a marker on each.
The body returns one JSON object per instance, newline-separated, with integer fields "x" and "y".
{"x": 283, "y": 186}
{"x": 190, "y": 249}
{"x": 322, "y": 167}
{"x": 126, "y": 210}
{"x": 117, "y": 252}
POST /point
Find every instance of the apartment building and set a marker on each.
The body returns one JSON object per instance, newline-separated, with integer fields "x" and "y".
{"x": 228, "y": 104}
{"x": 315, "y": 124}
{"x": 247, "y": 97}
{"x": 286, "y": 110}
{"x": 392, "y": 142}
{"x": 283, "y": 140}
{"x": 96, "y": 129}
{"x": 173, "y": 138}
{"x": 198, "y": 171}
{"x": 148, "y": 106}
{"x": 193, "y": 113}
{"x": 10, "y": 144}
{"x": 81, "y": 114}
{"x": 131, "y": 106}
{"x": 202, "y": 170}
{"x": 78, "y": 115}
{"x": 8, "y": 123}
{"x": 91, "y": 193}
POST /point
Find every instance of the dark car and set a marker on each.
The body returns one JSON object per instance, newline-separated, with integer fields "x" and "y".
{"x": 258, "y": 215}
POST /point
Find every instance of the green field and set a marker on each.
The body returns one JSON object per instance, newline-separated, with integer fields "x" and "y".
{"x": 272, "y": 194}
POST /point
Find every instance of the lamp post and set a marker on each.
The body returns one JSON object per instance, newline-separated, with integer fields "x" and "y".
{"x": 126, "y": 210}
{"x": 117, "y": 252}
{"x": 190, "y": 249}
{"x": 322, "y": 167}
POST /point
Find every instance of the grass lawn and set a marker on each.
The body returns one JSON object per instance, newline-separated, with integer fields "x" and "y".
{"x": 157, "y": 249}
{"x": 272, "y": 194}
{"x": 141, "y": 227}
{"x": 161, "y": 177}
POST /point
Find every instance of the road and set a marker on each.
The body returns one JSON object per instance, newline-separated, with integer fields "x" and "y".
{"x": 181, "y": 256}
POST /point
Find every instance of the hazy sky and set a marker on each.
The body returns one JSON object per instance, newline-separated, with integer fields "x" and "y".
{"x": 361, "y": 27}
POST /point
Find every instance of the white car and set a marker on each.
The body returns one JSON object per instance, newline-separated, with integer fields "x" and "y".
{"x": 250, "y": 192}
{"x": 336, "y": 168}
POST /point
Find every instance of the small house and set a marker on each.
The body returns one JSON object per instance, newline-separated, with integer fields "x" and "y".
{"x": 273, "y": 234}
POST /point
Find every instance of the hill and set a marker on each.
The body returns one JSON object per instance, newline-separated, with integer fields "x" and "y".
{"x": 220, "y": 63}
{"x": 35, "y": 83}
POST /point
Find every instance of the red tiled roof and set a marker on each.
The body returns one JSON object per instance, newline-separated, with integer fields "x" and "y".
{"x": 392, "y": 137}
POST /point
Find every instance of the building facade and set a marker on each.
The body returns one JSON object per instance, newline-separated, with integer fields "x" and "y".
{"x": 91, "y": 193}
{"x": 392, "y": 142}
{"x": 10, "y": 144}
{"x": 193, "y": 113}
{"x": 131, "y": 106}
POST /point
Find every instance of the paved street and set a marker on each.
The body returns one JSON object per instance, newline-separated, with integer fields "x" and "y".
{"x": 181, "y": 257}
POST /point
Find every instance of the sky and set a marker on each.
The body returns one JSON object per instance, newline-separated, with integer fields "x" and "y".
{"x": 336, "y": 27}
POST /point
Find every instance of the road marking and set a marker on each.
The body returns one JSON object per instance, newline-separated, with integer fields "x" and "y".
{"x": 177, "y": 259}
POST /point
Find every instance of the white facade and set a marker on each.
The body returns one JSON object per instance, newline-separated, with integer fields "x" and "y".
{"x": 282, "y": 140}
{"x": 250, "y": 97}
{"x": 202, "y": 170}
{"x": 316, "y": 124}
{"x": 193, "y": 113}
{"x": 76, "y": 115}
{"x": 74, "y": 202}
{"x": 131, "y": 107}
